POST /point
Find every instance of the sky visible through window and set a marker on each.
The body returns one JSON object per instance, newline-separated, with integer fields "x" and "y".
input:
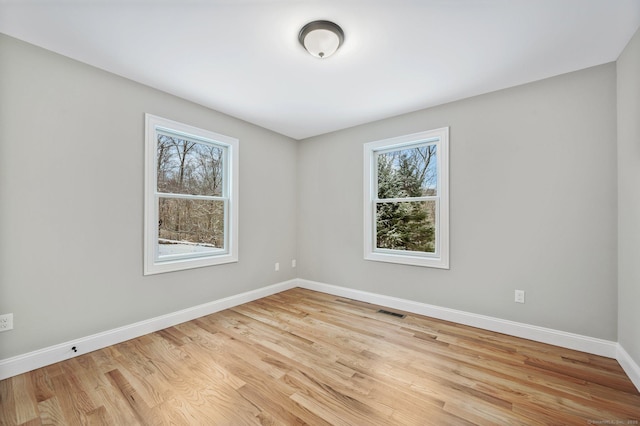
{"x": 412, "y": 171}
{"x": 187, "y": 167}
{"x": 410, "y": 224}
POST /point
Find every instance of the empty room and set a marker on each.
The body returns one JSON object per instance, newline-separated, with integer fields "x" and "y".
{"x": 237, "y": 212}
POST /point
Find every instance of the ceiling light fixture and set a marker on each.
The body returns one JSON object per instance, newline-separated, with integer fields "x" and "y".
{"x": 321, "y": 38}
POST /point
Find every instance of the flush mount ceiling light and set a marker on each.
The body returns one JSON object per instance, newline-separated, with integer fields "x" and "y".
{"x": 321, "y": 38}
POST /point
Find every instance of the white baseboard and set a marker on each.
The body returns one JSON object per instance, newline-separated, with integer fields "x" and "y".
{"x": 40, "y": 358}
{"x": 539, "y": 334}
{"x": 629, "y": 366}
{"x": 30, "y": 361}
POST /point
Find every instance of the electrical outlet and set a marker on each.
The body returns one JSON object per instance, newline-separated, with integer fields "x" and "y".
{"x": 293, "y": 263}
{"x": 277, "y": 266}
{"x": 6, "y": 322}
{"x": 519, "y": 296}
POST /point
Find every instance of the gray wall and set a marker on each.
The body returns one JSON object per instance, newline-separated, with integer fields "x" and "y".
{"x": 628, "y": 68}
{"x": 533, "y": 203}
{"x": 71, "y": 197}
{"x": 533, "y": 206}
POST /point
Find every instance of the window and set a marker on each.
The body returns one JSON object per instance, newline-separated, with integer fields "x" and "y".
{"x": 191, "y": 190}
{"x": 406, "y": 205}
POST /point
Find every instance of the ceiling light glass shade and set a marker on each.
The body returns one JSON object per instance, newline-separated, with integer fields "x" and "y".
{"x": 321, "y": 38}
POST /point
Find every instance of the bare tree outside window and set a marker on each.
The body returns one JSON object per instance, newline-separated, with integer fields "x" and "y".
{"x": 187, "y": 167}
{"x": 191, "y": 197}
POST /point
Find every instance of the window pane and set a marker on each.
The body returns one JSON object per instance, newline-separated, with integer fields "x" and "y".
{"x": 409, "y": 172}
{"x": 190, "y": 226}
{"x": 189, "y": 167}
{"x": 406, "y": 226}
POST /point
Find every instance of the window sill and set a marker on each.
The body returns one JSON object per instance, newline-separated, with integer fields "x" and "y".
{"x": 428, "y": 262}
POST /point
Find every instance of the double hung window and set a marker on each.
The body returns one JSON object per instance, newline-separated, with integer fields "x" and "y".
{"x": 407, "y": 199}
{"x": 191, "y": 197}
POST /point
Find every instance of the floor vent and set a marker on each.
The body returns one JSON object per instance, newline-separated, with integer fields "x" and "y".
{"x": 393, "y": 314}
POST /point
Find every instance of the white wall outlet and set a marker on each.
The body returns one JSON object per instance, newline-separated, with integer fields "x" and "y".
{"x": 519, "y": 296}
{"x": 6, "y": 322}
{"x": 277, "y": 266}
{"x": 293, "y": 263}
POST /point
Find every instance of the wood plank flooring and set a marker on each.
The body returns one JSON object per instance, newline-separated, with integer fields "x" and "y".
{"x": 302, "y": 357}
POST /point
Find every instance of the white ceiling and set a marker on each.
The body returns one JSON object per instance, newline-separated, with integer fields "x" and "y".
{"x": 242, "y": 57}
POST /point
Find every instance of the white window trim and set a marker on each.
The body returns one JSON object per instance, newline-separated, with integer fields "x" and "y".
{"x": 230, "y": 254}
{"x": 441, "y": 258}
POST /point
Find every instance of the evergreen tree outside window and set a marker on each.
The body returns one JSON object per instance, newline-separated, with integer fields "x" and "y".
{"x": 406, "y": 199}
{"x": 191, "y": 197}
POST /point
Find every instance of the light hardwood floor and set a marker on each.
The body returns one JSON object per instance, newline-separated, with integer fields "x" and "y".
{"x": 302, "y": 357}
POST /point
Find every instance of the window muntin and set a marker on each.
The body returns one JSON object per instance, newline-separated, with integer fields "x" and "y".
{"x": 191, "y": 197}
{"x": 406, "y": 199}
